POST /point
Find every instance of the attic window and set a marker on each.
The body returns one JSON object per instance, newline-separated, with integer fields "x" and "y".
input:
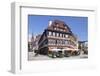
{"x": 57, "y": 25}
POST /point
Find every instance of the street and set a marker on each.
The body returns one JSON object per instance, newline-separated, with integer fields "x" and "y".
{"x": 31, "y": 56}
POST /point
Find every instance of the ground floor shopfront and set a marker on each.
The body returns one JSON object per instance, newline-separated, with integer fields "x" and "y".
{"x": 54, "y": 51}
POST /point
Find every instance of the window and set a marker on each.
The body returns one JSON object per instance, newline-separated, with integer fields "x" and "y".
{"x": 61, "y": 41}
{"x": 63, "y": 35}
{"x": 54, "y": 41}
{"x": 66, "y": 42}
{"x": 57, "y": 42}
{"x": 53, "y": 33}
{"x": 49, "y": 33}
{"x": 60, "y": 35}
{"x": 57, "y": 34}
{"x": 51, "y": 41}
{"x": 66, "y": 36}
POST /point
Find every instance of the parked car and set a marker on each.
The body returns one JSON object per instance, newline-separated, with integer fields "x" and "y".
{"x": 59, "y": 54}
{"x": 67, "y": 53}
{"x": 54, "y": 54}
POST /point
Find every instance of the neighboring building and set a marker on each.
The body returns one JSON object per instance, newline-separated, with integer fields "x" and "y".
{"x": 35, "y": 42}
{"x": 30, "y": 41}
{"x": 83, "y": 47}
{"x": 57, "y": 37}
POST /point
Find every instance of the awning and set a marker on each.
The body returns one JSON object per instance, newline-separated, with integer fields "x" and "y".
{"x": 56, "y": 49}
{"x": 73, "y": 49}
{"x": 64, "y": 49}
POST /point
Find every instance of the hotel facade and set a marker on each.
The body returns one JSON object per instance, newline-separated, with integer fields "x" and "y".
{"x": 58, "y": 40}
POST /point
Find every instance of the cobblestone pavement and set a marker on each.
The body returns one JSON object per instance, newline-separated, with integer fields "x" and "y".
{"x": 31, "y": 56}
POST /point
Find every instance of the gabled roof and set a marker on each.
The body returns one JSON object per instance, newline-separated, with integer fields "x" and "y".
{"x": 59, "y": 24}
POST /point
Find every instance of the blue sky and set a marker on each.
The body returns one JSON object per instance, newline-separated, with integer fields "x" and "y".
{"x": 78, "y": 25}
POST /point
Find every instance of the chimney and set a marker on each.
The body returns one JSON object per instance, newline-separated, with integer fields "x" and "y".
{"x": 50, "y": 23}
